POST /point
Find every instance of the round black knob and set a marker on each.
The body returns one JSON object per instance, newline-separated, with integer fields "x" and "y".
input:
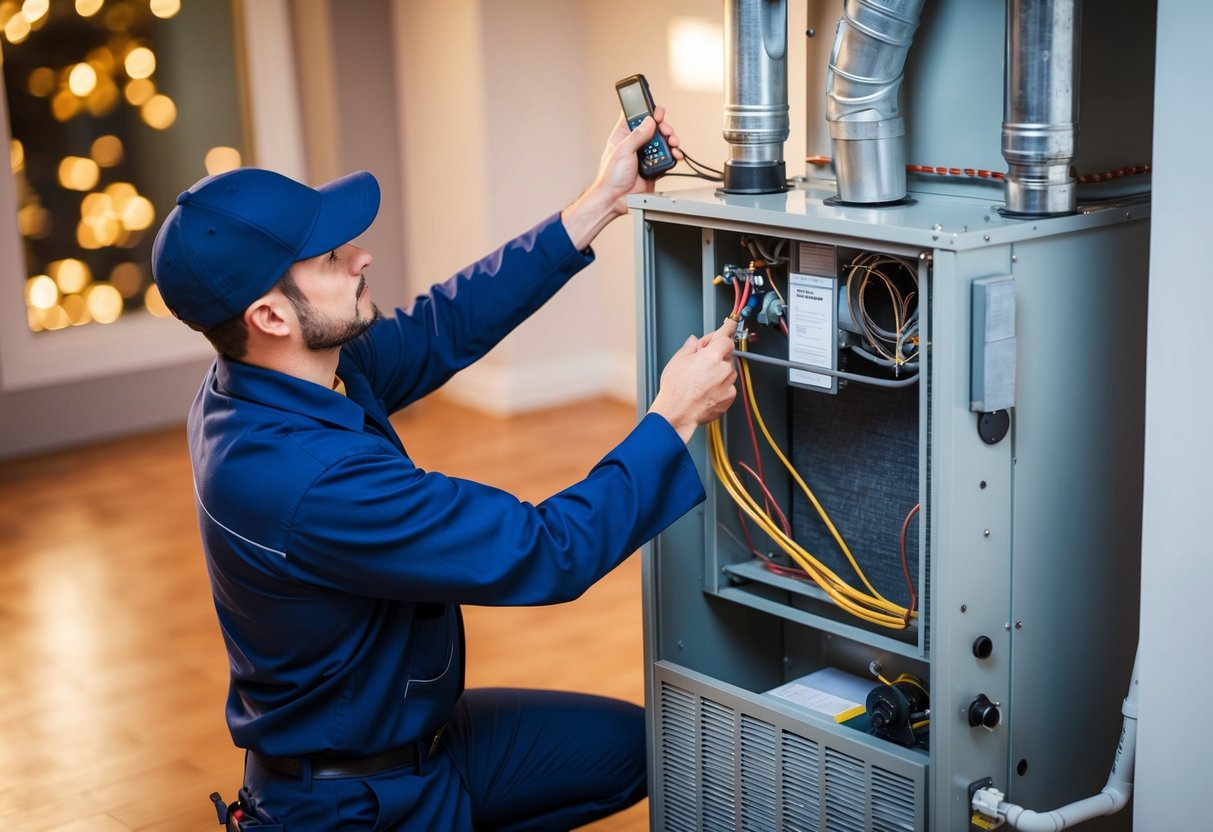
{"x": 983, "y": 647}
{"x": 983, "y": 713}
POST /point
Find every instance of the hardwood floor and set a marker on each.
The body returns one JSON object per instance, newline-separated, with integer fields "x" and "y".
{"x": 113, "y": 675}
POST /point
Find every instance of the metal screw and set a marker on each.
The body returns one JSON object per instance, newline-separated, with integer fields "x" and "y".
{"x": 1007, "y": 626}
{"x": 680, "y": 644}
{"x": 986, "y": 237}
{"x": 1014, "y": 258}
{"x": 1019, "y": 625}
{"x": 986, "y": 533}
{"x": 964, "y": 607}
{"x": 983, "y": 484}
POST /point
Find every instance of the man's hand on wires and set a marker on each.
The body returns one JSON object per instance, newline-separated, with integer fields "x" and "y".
{"x": 698, "y": 382}
{"x": 618, "y": 176}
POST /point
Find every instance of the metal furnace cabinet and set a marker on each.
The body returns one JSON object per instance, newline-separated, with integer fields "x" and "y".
{"x": 1023, "y": 551}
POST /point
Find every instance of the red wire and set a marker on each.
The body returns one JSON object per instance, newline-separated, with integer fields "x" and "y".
{"x": 981, "y": 173}
{"x": 905, "y": 563}
{"x": 783, "y": 520}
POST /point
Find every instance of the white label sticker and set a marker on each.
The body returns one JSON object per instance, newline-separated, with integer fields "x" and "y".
{"x": 811, "y": 328}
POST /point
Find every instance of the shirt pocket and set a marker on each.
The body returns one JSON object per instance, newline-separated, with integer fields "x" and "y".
{"x": 433, "y": 643}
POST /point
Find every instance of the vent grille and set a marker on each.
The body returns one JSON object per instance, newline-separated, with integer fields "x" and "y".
{"x": 757, "y": 775}
{"x": 892, "y": 801}
{"x": 723, "y": 768}
{"x": 719, "y": 765}
{"x": 678, "y": 757}
{"x": 846, "y": 792}
{"x": 800, "y": 761}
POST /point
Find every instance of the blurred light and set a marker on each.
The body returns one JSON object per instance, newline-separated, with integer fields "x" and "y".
{"x": 76, "y": 173}
{"x": 165, "y": 8}
{"x": 76, "y": 309}
{"x": 696, "y": 49}
{"x": 70, "y": 275}
{"x": 95, "y": 204}
{"x": 97, "y": 231}
{"x": 138, "y": 213}
{"x": 35, "y": 10}
{"x": 120, "y": 17}
{"x": 64, "y": 105}
{"x": 86, "y": 237}
{"x": 16, "y": 154}
{"x": 119, "y": 193}
{"x": 41, "y": 82}
{"x": 104, "y": 98}
{"x": 82, "y": 79}
{"x": 159, "y": 112}
{"x": 102, "y": 59}
{"x": 104, "y": 303}
{"x": 107, "y": 151}
{"x": 33, "y": 221}
{"x": 88, "y": 8}
{"x": 154, "y": 303}
{"x": 127, "y": 278}
{"x": 55, "y": 318}
{"x": 17, "y": 29}
{"x": 140, "y": 92}
{"x": 140, "y": 63}
{"x": 222, "y": 159}
{"x": 41, "y": 292}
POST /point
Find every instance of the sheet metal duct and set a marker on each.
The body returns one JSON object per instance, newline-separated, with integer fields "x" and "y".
{"x": 867, "y": 132}
{"x": 755, "y": 95}
{"x": 1040, "y": 106}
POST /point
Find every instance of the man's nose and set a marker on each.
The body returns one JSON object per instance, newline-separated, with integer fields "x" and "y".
{"x": 360, "y": 259}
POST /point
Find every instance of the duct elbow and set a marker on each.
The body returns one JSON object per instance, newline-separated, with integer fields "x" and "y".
{"x": 867, "y": 132}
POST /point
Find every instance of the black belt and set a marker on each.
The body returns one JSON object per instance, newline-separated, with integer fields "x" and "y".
{"x": 327, "y": 767}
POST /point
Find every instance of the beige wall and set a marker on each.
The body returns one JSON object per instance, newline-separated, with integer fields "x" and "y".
{"x": 518, "y": 97}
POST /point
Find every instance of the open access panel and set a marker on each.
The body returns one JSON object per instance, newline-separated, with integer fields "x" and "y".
{"x": 916, "y": 568}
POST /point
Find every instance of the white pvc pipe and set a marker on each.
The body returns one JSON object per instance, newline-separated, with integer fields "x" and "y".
{"x": 1110, "y": 800}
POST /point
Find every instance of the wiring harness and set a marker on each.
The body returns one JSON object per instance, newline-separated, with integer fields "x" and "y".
{"x": 753, "y": 285}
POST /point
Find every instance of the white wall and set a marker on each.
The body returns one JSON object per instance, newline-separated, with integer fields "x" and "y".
{"x": 520, "y": 97}
{"x": 1175, "y": 734}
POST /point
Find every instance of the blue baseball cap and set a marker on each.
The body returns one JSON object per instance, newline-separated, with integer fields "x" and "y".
{"x": 233, "y": 235}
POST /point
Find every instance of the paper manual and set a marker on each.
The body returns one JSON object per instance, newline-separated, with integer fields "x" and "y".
{"x": 833, "y": 692}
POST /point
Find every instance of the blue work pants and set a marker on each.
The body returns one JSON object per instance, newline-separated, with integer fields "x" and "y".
{"x": 508, "y": 759}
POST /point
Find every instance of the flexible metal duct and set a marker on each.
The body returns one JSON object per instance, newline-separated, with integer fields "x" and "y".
{"x": 755, "y": 95}
{"x": 1040, "y": 106}
{"x": 867, "y": 132}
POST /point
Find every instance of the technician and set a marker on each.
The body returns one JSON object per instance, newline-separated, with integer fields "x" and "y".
{"x": 338, "y": 566}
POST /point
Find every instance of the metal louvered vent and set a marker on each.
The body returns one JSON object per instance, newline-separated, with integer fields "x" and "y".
{"x": 846, "y": 792}
{"x": 800, "y": 761}
{"x": 678, "y": 760}
{"x": 892, "y": 802}
{"x": 757, "y": 775}
{"x": 718, "y": 767}
{"x": 727, "y": 761}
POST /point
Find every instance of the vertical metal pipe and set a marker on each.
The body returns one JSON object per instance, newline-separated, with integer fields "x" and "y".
{"x": 755, "y": 95}
{"x": 1040, "y": 105}
{"x": 867, "y": 132}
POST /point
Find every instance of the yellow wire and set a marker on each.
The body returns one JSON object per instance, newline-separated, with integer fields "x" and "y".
{"x": 749, "y": 390}
{"x": 877, "y": 610}
{"x": 837, "y": 589}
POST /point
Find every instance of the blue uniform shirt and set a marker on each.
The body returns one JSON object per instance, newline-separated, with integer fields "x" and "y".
{"x": 338, "y": 565}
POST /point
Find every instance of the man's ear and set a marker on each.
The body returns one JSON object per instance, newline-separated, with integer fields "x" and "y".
{"x": 270, "y": 314}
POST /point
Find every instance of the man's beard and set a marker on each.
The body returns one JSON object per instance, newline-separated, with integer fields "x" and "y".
{"x": 322, "y": 333}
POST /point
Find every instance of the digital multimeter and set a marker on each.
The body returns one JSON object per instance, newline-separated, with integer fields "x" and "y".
{"x": 637, "y": 102}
